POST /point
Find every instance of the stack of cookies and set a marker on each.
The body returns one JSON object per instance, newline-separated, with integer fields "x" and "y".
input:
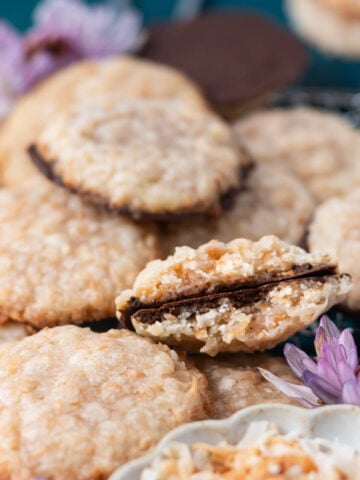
{"x": 129, "y": 206}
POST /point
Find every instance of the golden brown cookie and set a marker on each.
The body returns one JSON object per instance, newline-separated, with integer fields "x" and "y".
{"x": 140, "y": 157}
{"x": 351, "y": 8}
{"x": 240, "y": 296}
{"x": 123, "y": 77}
{"x": 273, "y": 201}
{"x": 340, "y": 24}
{"x": 321, "y": 148}
{"x": 235, "y": 382}
{"x": 75, "y": 404}
{"x": 336, "y": 229}
{"x": 62, "y": 261}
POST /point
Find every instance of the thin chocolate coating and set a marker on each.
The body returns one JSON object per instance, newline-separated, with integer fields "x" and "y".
{"x": 225, "y": 201}
{"x": 102, "y": 325}
{"x": 238, "y": 299}
{"x": 241, "y": 291}
{"x": 234, "y": 57}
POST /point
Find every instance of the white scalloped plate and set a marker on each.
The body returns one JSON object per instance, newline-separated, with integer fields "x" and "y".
{"x": 337, "y": 422}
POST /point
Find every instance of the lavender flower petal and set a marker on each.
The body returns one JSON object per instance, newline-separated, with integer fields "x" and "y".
{"x": 96, "y": 31}
{"x": 325, "y": 370}
{"x": 320, "y": 340}
{"x": 346, "y": 373}
{"x": 334, "y": 378}
{"x": 69, "y": 30}
{"x": 299, "y": 392}
{"x": 329, "y": 327}
{"x": 11, "y": 79}
{"x": 330, "y": 353}
{"x": 321, "y": 388}
{"x": 347, "y": 341}
{"x": 351, "y": 393}
{"x": 296, "y": 359}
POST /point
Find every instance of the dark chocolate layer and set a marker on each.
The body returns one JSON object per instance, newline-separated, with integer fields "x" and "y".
{"x": 102, "y": 325}
{"x": 267, "y": 280}
{"x": 237, "y": 298}
{"x": 234, "y": 57}
{"x": 226, "y": 200}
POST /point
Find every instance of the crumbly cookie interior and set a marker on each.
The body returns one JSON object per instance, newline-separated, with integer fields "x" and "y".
{"x": 191, "y": 271}
{"x": 277, "y": 313}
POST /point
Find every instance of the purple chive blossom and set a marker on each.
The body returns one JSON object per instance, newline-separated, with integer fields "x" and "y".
{"x": 64, "y": 31}
{"x": 68, "y": 30}
{"x": 333, "y": 378}
{"x": 11, "y": 81}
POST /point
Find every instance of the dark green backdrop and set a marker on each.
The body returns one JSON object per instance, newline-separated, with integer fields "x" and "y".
{"x": 323, "y": 71}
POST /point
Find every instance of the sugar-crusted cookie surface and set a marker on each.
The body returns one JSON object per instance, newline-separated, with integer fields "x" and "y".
{"x": 62, "y": 261}
{"x": 321, "y": 148}
{"x": 74, "y": 404}
{"x": 235, "y": 382}
{"x": 340, "y": 25}
{"x": 142, "y": 157}
{"x": 189, "y": 272}
{"x": 84, "y": 82}
{"x": 273, "y": 201}
{"x": 240, "y": 296}
{"x": 336, "y": 229}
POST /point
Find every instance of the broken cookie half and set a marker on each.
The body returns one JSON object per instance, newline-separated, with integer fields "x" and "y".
{"x": 237, "y": 296}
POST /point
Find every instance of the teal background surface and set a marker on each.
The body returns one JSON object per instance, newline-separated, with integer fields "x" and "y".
{"x": 323, "y": 71}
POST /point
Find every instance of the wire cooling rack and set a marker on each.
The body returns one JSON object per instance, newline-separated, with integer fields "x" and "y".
{"x": 345, "y": 102}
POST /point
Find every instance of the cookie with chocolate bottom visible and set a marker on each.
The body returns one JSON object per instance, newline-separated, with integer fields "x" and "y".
{"x": 240, "y": 296}
{"x": 124, "y": 77}
{"x": 142, "y": 158}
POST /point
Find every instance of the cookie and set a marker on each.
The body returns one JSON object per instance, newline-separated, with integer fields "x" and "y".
{"x": 273, "y": 201}
{"x": 240, "y": 296}
{"x": 323, "y": 149}
{"x": 143, "y": 158}
{"x": 340, "y": 24}
{"x": 236, "y": 58}
{"x": 84, "y": 82}
{"x": 76, "y": 404}
{"x": 336, "y": 229}
{"x": 235, "y": 382}
{"x": 11, "y": 331}
{"x": 62, "y": 261}
{"x": 349, "y": 8}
